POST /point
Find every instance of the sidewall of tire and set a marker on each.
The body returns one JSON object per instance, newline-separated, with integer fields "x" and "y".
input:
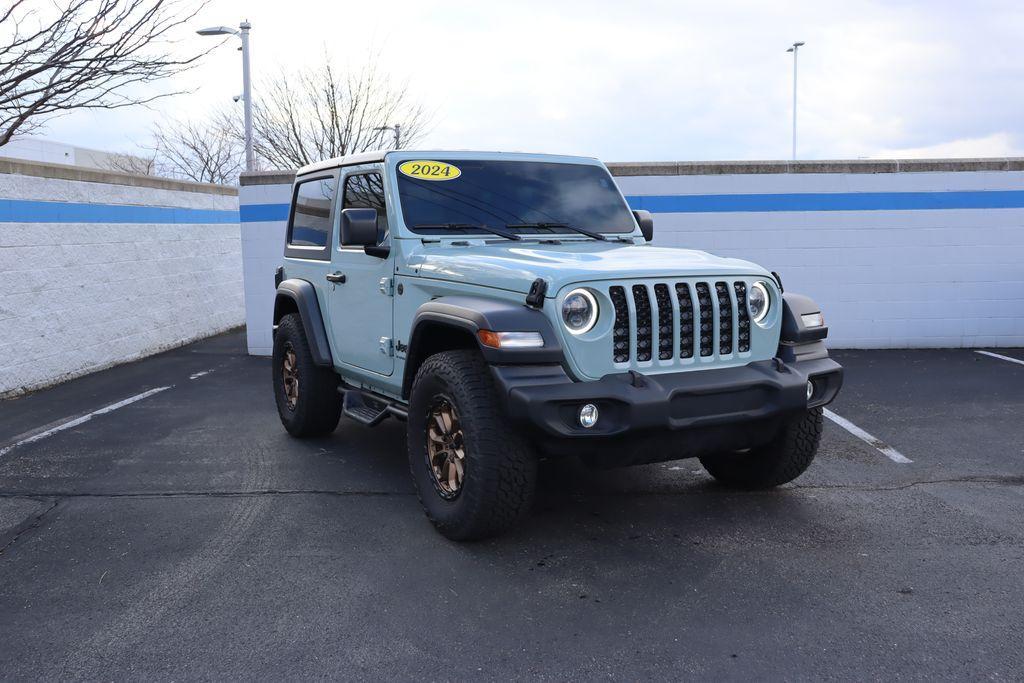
{"x": 318, "y": 405}
{"x": 476, "y": 512}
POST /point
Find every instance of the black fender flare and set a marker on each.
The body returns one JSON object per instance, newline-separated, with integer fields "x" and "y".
{"x": 470, "y": 314}
{"x": 303, "y": 295}
{"x": 797, "y": 341}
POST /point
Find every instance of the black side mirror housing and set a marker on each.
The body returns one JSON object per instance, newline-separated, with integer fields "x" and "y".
{"x": 646, "y": 222}
{"x": 359, "y": 227}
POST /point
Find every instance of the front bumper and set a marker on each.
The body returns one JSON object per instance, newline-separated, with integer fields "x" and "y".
{"x": 703, "y": 401}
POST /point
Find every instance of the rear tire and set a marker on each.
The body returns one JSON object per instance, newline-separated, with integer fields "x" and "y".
{"x": 496, "y": 475}
{"x": 781, "y": 460}
{"x": 306, "y": 393}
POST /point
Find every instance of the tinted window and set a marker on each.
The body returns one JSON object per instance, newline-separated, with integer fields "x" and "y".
{"x": 366, "y": 191}
{"x": 499, "y": 193}
{"x": 311, "y": 221}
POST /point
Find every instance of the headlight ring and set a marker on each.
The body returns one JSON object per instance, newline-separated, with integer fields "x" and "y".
{"x": 579, "y": 311}
{"x": 759, "y": 302}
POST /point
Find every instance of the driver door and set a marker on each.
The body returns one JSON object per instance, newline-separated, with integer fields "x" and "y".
{"x": 361, "y": 306}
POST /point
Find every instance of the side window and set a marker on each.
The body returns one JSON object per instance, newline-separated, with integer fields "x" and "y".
{"x": 366, "y": 191}
{"x": 311, "y": 220}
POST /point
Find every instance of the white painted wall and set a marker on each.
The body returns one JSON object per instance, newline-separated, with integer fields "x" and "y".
{"x": 262, "y": 247}
{"x": 77, "y": 296}
{"x": 885, "y": 279}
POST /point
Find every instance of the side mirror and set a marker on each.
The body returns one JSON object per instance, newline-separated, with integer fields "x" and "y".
{"x": 359, "y": 227}
{"x": 646, "y": 222}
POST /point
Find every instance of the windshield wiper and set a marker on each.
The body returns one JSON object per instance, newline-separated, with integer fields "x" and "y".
{"x": 582, "y": 231}
{"x": 500, "y": 232}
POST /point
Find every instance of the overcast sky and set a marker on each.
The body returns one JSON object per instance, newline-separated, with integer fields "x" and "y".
{"x": 647, "y": 80}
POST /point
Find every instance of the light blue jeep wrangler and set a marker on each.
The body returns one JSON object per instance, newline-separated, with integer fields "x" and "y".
{"x": 510, "y": 307}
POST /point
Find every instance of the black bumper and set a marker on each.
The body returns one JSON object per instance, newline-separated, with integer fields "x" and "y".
{"x": 704, "y": 401}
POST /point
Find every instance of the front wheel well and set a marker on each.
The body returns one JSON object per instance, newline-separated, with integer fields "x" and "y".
{"x": 429, "y": 338}
{"x": 283, "y": 305}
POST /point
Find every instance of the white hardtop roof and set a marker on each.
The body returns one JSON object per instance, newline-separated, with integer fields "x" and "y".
{"x": 378, "y": 156}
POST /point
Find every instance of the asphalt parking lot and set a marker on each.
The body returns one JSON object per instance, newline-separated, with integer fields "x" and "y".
{"x": 185, "y": 535}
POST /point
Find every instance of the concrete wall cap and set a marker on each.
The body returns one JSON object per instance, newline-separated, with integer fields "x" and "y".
{"x": 93, "y": 175}
{"x": 670, "y": 168}
{"x": 278, "y": 177}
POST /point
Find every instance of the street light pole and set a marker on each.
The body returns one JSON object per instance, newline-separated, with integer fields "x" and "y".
{"x": 397, "y": 130}
{"x": 243, "y": 34}
{"x": 794, "y": 50}
{"x": 250, "y": 160}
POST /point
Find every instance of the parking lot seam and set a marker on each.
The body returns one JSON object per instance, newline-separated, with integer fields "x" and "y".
{"x": 202, "y": 494}
{"x": 35, "y": 522}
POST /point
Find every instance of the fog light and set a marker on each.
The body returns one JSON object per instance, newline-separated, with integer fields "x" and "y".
{"x": 810, "y": 390}
{"x": 588, "y": 416}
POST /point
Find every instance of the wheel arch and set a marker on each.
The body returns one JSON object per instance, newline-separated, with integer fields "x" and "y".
{"x": 299, "y": 296}
{"x": 449, "y": 323}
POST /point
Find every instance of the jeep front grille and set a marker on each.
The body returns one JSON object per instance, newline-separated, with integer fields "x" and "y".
{"x": 704, "y": 319}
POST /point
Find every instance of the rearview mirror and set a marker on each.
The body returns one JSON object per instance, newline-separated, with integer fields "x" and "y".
{"x": 646, "y": 222}
{"x": 359, "y": 227}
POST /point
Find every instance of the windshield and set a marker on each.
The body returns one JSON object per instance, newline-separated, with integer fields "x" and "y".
{"x": 525, "y": 197}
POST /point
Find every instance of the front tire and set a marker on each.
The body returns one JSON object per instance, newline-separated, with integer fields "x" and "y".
{"x": 780, "y": 461}
{"x": 307, "y": 396}
{"x": 474, "y": 475}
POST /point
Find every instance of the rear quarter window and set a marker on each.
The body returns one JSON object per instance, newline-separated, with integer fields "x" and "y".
{"x": 311, "y": 218}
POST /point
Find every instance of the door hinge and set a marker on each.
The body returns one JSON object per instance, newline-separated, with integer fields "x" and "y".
{"x": 387, "y": 346}
{"x": 387, "y": 286}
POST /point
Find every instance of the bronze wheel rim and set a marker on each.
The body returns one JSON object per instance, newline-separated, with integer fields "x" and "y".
{"x": 446, "y": 449}
{"x": 290, "y": 376}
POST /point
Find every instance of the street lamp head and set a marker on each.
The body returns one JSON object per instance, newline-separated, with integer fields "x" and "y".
{"x": 798, "y": 44}
{"x": 218, "y": 31}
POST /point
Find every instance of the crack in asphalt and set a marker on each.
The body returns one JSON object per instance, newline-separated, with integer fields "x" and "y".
{"x": 37, "y": 520}
{"x": 1009, "y": 480}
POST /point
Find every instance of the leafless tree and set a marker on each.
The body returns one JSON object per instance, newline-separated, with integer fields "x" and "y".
{"x": 307, "y": 115}
{"x": 61, "y": 55}
{"x": 201, "y": 151}
{"x": 136, "y": 164}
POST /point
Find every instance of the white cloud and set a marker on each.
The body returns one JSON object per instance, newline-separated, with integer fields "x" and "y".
{"x": 996, "y": 145}
{"x": 649, "y": 79}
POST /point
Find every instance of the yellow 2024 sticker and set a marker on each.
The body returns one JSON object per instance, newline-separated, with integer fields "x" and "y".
{"x": 430, "y": 170}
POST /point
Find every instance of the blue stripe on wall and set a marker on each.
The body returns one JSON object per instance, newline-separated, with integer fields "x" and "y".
{"x": 803, "y": 201}
{"x": 255, "y": 213}
{"x": 25, "y": 211}
{"x": 840, "y": 201}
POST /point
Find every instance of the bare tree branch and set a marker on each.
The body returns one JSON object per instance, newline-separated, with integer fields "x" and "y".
{"x": 307, "y": 115}
{"x": 86, "y": 54}
{"x": 205, "y": 152}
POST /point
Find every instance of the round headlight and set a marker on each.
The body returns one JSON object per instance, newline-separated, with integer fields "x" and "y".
{"x": 579, "y": 311}
{"x": 758, "y": 301}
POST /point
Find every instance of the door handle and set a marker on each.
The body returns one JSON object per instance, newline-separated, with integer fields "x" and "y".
{"x": 336, "y": 277}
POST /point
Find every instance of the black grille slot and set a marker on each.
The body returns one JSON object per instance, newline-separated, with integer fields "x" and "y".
{"x": 706, "y": 330}
{"x": 642, "y": 302}
{"x": 742, "y": 317}
{"x": 724, "y": 318}
{"x": 685, "y": 320}
{"x": 661, "y": 295}
{"x": 620, "y": 335}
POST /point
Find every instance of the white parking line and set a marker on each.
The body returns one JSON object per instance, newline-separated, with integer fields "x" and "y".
{"x": 79, "y": 420}
{"x": 200, "y": 374}
{"x": 1018, "y": 361}
{"x": 882, "y": 447}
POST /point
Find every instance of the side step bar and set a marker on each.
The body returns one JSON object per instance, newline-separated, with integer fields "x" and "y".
{"x": 368, "y": 409}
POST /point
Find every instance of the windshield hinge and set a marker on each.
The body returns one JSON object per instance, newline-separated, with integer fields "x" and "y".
{"x": 387, "y": 286}
{"x": 535, "y": 299}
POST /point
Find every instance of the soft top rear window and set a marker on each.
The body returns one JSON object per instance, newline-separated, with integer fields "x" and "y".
{"x": 525, "y": 196}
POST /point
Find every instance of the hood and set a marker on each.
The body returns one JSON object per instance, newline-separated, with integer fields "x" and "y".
{"x": 514, "y": 266}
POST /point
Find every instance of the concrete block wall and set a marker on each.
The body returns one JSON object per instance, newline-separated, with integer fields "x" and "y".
{"x": 915, "y": 253}
{"x": 99, "y": 268}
